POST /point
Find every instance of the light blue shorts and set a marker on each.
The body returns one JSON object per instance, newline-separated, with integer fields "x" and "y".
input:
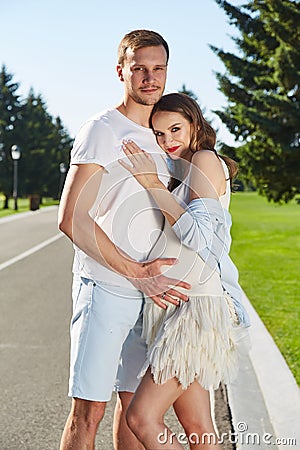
{"x": 105, "y": 336}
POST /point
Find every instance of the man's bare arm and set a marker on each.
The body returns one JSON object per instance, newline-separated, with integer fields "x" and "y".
{"x": 78, "y": 197}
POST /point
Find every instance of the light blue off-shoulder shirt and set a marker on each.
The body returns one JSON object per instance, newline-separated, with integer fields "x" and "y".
{"x": 205, "y": 228}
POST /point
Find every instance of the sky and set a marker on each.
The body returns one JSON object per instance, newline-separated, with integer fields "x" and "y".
{"x": 67, "y": 51}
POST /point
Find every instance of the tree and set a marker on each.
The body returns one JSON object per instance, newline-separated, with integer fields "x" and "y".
{"x": 45, "y": 145}
{"x": 44, "y": 142}
{"x": 60, "y": 155}
{"x": 186, "y": 91}
{"x": 262, "y": 87}
{"x": 10, "y": 133}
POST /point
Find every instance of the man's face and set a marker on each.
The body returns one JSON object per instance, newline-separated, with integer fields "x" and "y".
{"x": 144, "y": 74}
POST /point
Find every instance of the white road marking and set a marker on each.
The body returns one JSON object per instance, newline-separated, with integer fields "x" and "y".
{"x": 29, "y": 252}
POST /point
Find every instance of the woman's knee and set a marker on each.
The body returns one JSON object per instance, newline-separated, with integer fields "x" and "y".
{"x": 197, "y": 428}
{"x": 132, "y": 419}
{"x": 137, "y": 420}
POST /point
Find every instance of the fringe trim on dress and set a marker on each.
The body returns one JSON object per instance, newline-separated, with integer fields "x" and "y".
{"x": 200, "y": 340}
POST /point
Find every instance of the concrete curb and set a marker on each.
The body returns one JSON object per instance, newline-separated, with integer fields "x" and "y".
{"x": 265, "y": 400}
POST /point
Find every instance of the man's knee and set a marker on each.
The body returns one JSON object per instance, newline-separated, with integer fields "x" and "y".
{"x": 88, "y": 412}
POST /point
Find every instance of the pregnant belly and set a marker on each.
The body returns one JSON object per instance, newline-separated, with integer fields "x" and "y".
{"x": 190, "y": 267}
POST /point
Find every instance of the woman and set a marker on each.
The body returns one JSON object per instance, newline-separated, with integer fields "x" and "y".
{"x": 194, "y": 346}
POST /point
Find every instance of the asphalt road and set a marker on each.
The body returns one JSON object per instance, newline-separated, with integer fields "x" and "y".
{"x": 35, "y": 309}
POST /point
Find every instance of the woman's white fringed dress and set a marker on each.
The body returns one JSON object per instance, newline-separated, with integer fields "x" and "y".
{"x": 199, "y": 340}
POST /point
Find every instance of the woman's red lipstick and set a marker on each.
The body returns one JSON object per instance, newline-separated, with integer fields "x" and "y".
{"x": 173, "y": 149}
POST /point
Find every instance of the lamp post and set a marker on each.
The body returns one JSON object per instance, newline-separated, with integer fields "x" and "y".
{"x": 16, "y": 155}
{"x": 2, "y": 154}
{"x": 62, "y": 169}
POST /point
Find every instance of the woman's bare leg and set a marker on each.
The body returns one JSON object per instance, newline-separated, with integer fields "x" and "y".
{"x": 123, "y": 437}
{"x": 145, "y": 415}
{"x": 194, "y": 413}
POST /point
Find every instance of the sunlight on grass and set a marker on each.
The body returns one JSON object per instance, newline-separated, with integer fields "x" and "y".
{"x": 265, "y": 248}
{"x": 23, "y": 205}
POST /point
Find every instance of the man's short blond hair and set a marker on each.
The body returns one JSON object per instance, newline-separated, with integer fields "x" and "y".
{"x": 138, "y": 39}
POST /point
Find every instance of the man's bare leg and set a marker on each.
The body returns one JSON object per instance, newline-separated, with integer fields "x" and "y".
{"x": 82, "y": 425}
{"x": 123, "y": 437}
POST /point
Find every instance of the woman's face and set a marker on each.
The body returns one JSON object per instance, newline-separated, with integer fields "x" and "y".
{"x": 173, "y": 134}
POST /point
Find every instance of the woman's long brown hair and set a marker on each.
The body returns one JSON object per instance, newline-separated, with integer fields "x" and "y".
{"x": 203, "y": 135}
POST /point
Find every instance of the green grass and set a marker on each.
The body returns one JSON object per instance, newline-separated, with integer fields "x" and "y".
{"x": 266, "y": 250}
{"x": 23, "y": 205}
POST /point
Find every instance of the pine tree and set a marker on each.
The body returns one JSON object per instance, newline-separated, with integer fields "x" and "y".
{"x": 10, "y": 132}
{"x": 46, "y": 144}
{"x": 37, "y": 129}
{"x": 188, "y": 92}
{"x": 262, "y": 86}
{"x": 59, "y": 156}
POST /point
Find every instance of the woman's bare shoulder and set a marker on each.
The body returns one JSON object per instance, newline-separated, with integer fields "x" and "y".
{"x": 207, "y": 163}
{"x": 205, "y": 159}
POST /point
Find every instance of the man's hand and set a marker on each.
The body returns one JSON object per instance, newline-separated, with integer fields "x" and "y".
{"x": 157, "y": 286}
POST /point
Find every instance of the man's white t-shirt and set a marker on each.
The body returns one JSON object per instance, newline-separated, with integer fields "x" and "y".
{"x": 123, "y": 208}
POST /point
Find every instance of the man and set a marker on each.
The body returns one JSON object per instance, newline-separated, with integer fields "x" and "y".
{"x": 110, "y": 221}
